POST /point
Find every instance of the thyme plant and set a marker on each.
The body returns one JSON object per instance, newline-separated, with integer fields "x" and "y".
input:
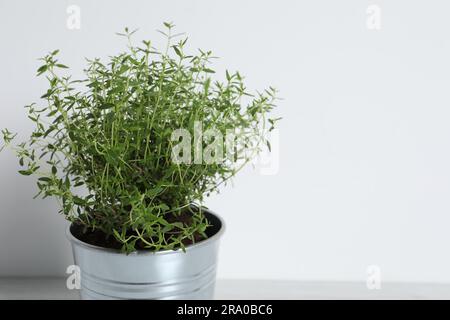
{"x": 103, "y": 145}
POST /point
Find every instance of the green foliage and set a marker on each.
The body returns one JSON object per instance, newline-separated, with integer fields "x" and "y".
{"x": 102, "y": 145}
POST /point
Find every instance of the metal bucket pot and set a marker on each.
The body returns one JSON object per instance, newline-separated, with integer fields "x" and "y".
{"x": 110, "y": 274}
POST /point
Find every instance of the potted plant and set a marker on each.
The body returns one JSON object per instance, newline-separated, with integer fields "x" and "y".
{"x": 130, "y": 152}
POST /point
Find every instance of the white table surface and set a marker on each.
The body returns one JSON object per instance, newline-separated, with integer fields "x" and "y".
{"x": 55, "y": 288}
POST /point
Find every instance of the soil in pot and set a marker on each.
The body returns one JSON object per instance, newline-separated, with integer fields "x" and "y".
{"x": 100, "y": 239}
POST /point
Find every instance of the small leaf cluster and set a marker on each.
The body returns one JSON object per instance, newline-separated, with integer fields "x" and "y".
{"x": 102, "y": 145}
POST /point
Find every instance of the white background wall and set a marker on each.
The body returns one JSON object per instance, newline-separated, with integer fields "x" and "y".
{"x": 364, "y": 173}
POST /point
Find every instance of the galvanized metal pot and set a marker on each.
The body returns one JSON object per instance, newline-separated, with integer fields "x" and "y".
{"x": 110, "y": 274}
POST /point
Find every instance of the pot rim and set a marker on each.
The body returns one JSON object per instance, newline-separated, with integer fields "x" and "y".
{"x": 75, "y": 241}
